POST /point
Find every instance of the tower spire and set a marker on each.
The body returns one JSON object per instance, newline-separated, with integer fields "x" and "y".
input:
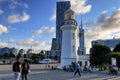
{"x": 81, "y": 25}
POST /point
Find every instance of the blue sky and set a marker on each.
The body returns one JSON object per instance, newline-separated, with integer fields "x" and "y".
{"x": 26, "y": 23}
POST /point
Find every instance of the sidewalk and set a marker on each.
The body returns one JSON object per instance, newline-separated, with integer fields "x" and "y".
{"x": 38, "y": 73}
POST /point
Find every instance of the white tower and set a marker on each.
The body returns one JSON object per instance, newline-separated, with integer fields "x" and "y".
{"x": 69, "y": 39}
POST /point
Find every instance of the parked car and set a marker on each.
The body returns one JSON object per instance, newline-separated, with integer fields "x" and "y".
{"x": 44, "y": 61}
{"x": 53, "y": 61}
{"x": 1, "y": 62}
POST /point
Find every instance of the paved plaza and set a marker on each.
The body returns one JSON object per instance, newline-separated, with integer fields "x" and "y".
{"x": 41, "y": 72}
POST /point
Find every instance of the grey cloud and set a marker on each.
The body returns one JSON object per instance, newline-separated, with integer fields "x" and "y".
{"x": 103, "y": 28}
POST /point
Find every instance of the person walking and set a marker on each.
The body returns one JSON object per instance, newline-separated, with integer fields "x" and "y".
{"x": 77, "y": 69}
{"x": 17, "y": 69}
{"x": 25, "y": 69}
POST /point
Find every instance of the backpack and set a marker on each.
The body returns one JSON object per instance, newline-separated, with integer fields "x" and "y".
{"x": 15, "y": 67}
{"x": 77, "y": 65}
{"x": 25, "y": 66}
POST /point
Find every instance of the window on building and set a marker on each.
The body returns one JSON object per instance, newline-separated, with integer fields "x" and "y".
{"x": 85, "y": 63}
{"x": 73, "y": 48}
{"x": 73, "y": 35}
{"x": 80, "y": 63}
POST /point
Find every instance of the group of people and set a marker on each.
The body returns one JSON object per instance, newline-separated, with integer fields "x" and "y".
{"x": 113, "y": 69}
{"x": 76, "y": 68}
{"x": 20, "y": 69}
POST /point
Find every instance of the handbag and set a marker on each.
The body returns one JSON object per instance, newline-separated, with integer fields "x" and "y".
{"x": 29, "y": 71}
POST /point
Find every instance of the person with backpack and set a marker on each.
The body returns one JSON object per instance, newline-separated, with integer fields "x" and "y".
{"x": 25, "y": 69}
{"x": 17, "y": 69}
{"x": 77, "y": 69}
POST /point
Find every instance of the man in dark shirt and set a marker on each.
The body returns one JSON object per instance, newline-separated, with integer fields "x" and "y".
{"x": 17, "y": 69}
{"x": 25, "y": 69}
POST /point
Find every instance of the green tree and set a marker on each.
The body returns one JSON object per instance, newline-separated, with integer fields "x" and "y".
{"x": 25, "y": 55}
{"x": 117, "y": 48}
{"x": 114, "y": 55}
{"x": 35, "y": 57}
{"x": 6, "y": 55}
{"x": 12, "y": 55}
{"x": 98, "y": 54}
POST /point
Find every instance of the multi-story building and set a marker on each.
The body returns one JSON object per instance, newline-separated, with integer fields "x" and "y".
{"x": 14, "y": 51}
{"x": 53, "y": 47}
{"x": 29, "y": 52}
{"x": 111, "y": 43}
{"x": 21, "y": 52}
{"x": 62, "y": 6}
{"x": 4, "y": 50}
{"x": 8, "y": 50}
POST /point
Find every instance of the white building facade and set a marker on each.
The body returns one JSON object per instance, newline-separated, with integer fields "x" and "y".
{"x": 69, "y": 39}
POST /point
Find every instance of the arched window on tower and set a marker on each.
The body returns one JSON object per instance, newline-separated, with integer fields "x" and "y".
{"x": 73, "y": 35}
{"x": 73, "y": 48}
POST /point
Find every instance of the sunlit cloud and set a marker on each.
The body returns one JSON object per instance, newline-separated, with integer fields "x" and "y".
{"x": 104, "y": 12}
{"x": 3, "y": 44}
{"x": 13, "y": 4}
{"x": 18, "y": 18}
{"x": 49, "y": 31}
{"x": 53, "y": 17}
{"x": 32, "y": 43}
{"x": 27, "y": 42}
{"x": 106, "y": 27}
{"x": 3, "y": 29}
{"x": 79, "y": 6}
{"x": 11, "y": 40}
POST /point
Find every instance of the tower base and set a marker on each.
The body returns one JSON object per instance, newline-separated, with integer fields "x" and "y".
{"x": 67, "y": 61}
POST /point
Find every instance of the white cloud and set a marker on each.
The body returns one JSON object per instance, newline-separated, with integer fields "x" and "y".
{"x": 117, "y": 35}
{"x": 13, "y": 4}
{"x": 106, "y": 27}
{"x": 79, "y": 6}
{"x": 36, "y": 45}
{"x": 25, "y": 17}
{"x": 1, "y": 11}
{"x": 18, "y": 18}
{"x": 26, "y": 5}
{"x": 104, "y": 12}
{"x": 49, "y": 31}
{"x": 27, "y": 42}
{"x": 53, "y": 15}
{"x": 11, "y": 40}
{"x": 3, "y": 29}
{"x": 3, "y": 44}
